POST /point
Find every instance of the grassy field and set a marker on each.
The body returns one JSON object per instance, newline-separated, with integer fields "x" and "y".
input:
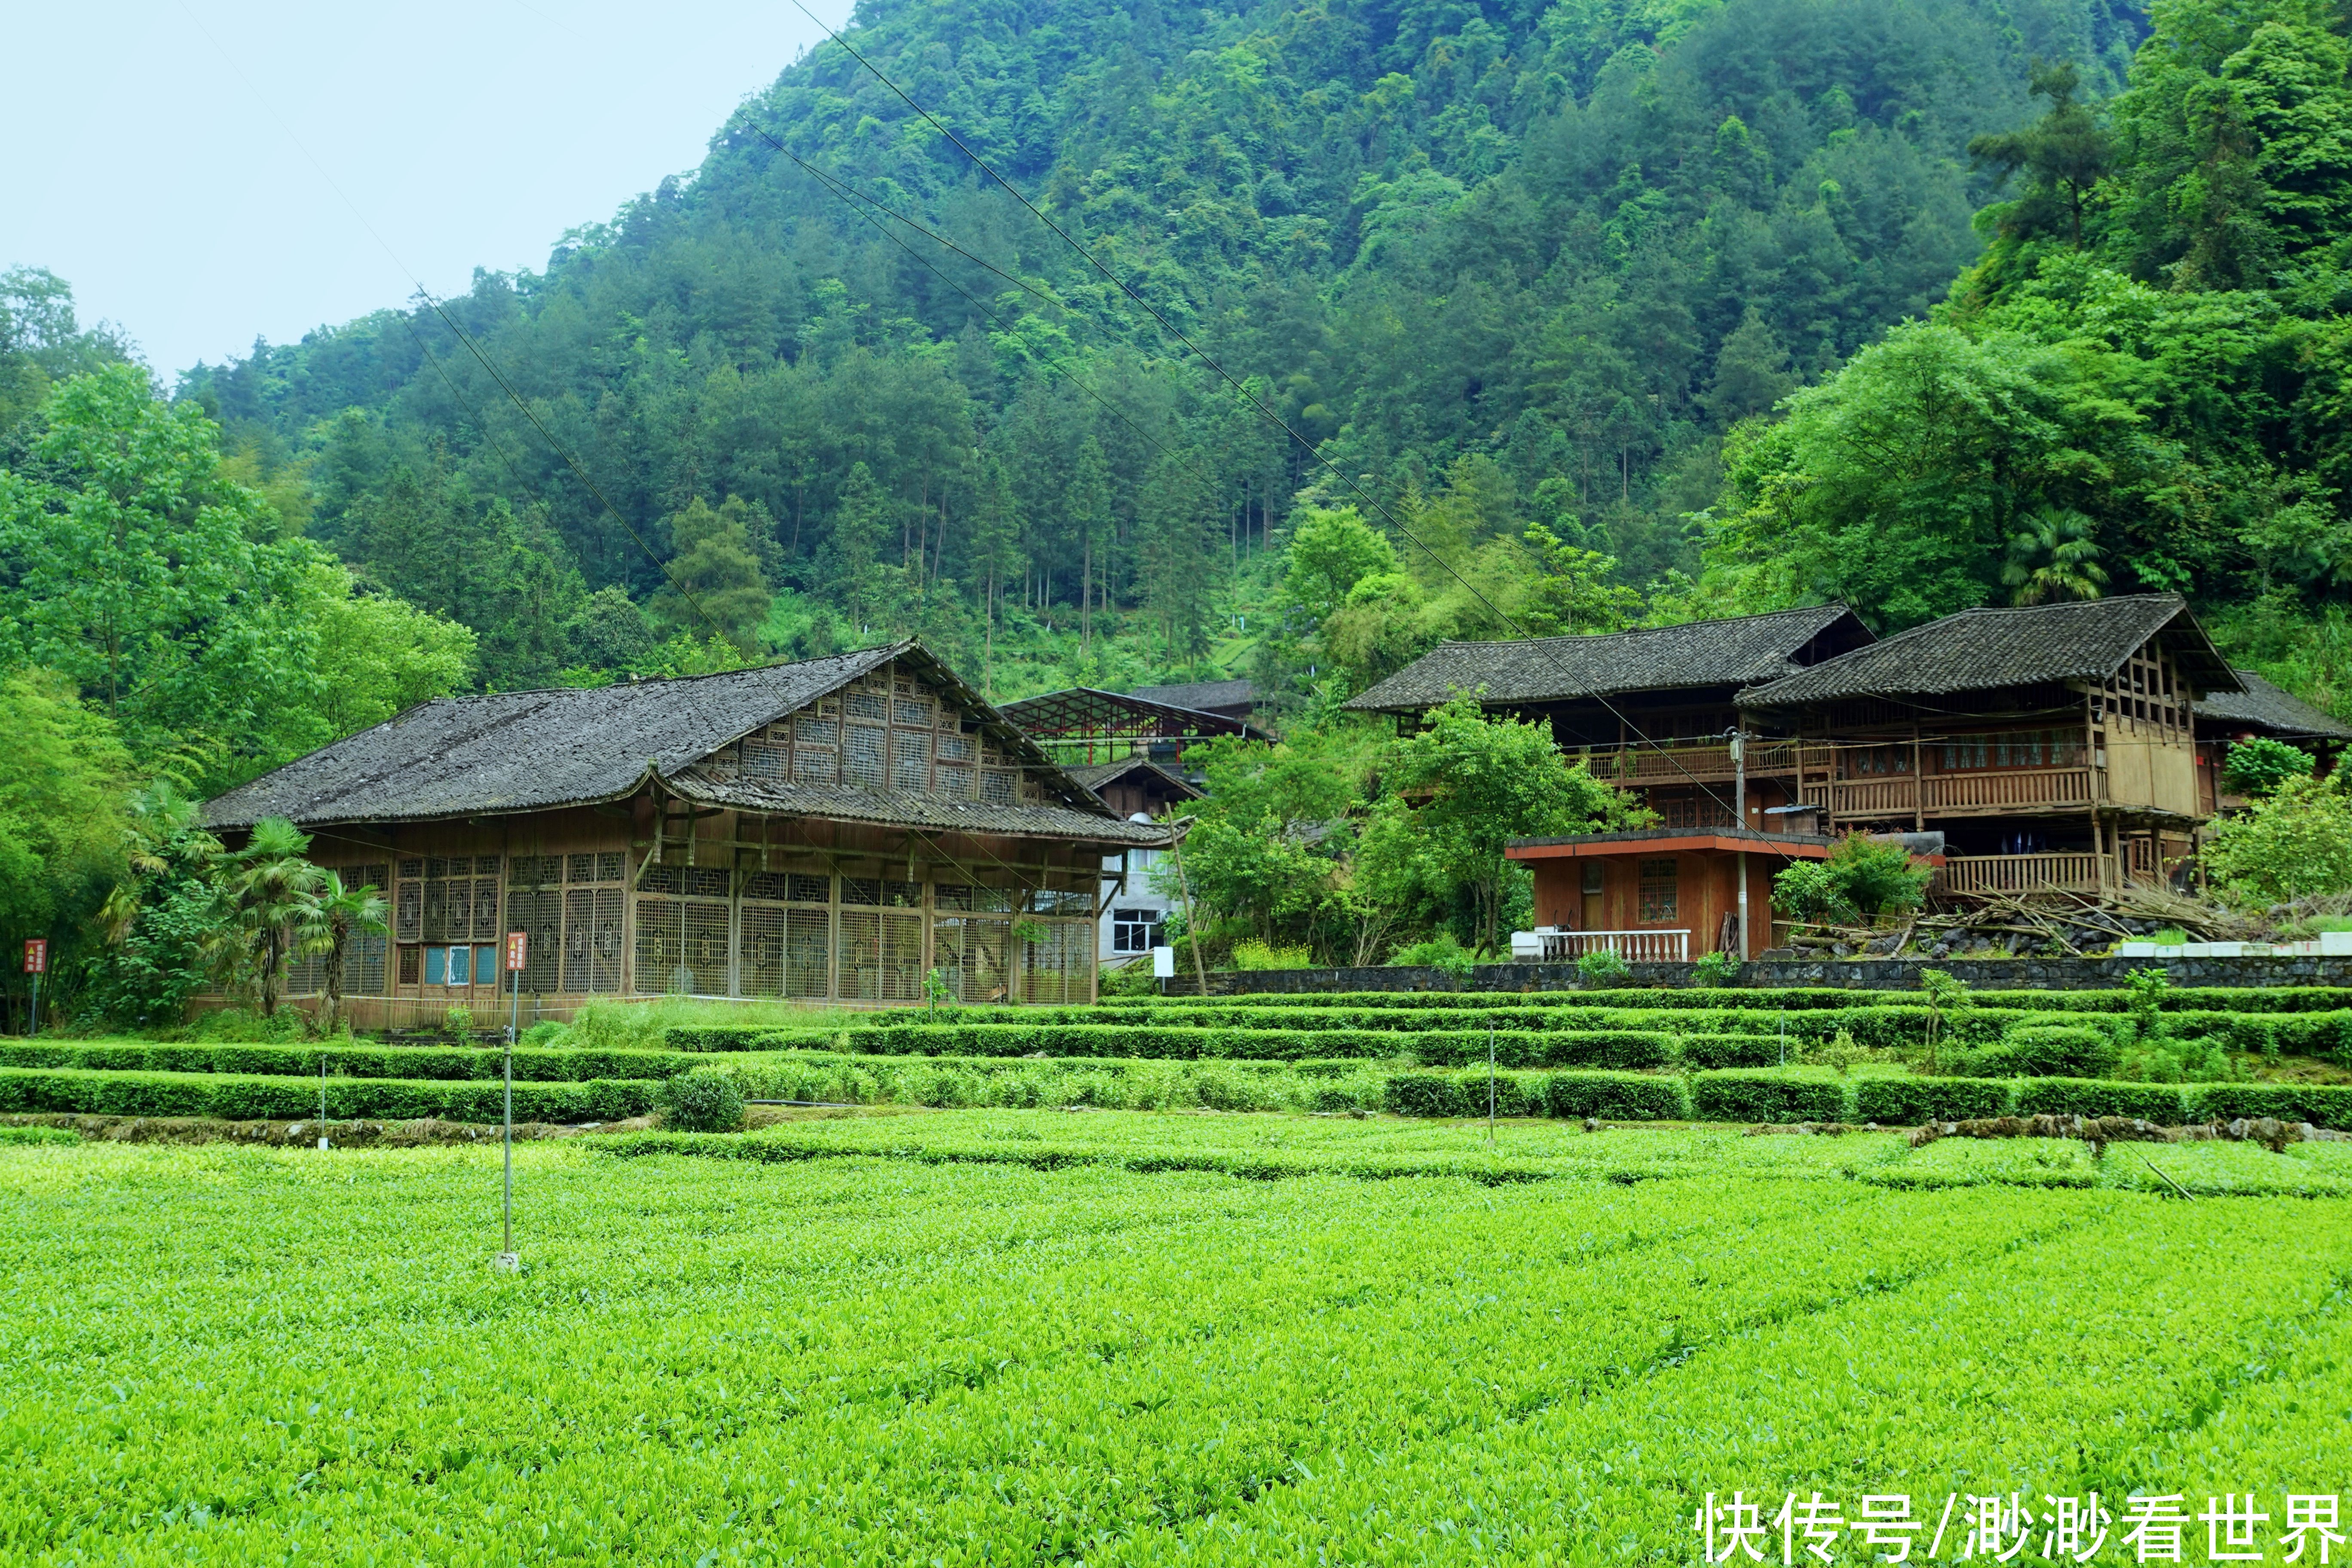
{"x": 1113, "y": 1338}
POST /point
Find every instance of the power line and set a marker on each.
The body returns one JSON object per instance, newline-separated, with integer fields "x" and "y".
{"x": 1250, "y": 397}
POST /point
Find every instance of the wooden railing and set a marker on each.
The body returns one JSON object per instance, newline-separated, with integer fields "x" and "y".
{"x": 2061, "y": 872}
{"x": 1632, "y": 946}
{"x": 2031, "y": 786}
{"x": 1874, "y": 797}
{"x": 2022, "y": 789}
{"x": 1668, "y": 765}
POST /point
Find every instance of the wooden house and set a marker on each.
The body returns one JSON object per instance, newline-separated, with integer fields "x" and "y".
{"x": 2257, "y": 709}
{"x": 833, "y": 830}
{"x": 2047, "y": 749}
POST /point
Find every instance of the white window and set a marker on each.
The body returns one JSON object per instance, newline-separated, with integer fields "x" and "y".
{"x": 1134, "y": 930}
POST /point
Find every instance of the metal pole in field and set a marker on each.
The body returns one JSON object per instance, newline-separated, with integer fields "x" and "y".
{"x": 322, "y": 1097}
{"x": 1490, "y": 1083}
{"x": 516, "y": 944}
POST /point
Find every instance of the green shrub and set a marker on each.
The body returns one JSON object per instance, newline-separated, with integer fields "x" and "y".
{"x": 1421, "y": 1094}
{"x": 1714, "y": 969}
{"x": 233, "y": 1097}
{"x": 2256, "y": 767}
{"x": 1764, "y": 1096}
{"x": 2086, "y": 1097}
{"x": 1703, "y": 1051}
{"x": 1908, "y": 1102}
{"x": 1603, "y": 966}
{"x": 2042, "y": 1050}
{"x": 1442, "y": 953}
{"x": 25, "y": 1135}
{"x": 1616, "y": 1097}
{"x": 2323, "y": 1105}
{"x": 544, "y": 1035}
{"x": 703, "y": 1101}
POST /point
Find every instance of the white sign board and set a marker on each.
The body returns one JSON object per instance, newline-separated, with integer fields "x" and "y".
{"x": 1163, "y": 963}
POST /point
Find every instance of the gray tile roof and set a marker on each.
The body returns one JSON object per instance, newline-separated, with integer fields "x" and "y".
{"x": 1203, "y": 694}
{"x": 1734, "y": 652}
{"x": 2263, "y": 707}
{"x": 1978, "y": 651}
{"x": 535, "y": 750}
{"x": 908, "y": 808}
{"x": 1095, "y": 776}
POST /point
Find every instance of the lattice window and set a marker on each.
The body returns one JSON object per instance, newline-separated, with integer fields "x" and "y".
{"x": 866, "y": 705}
{"x": 861, "y": 955}
{"x": 579, "y": 939}
{"x": 954, "y": 748}
{"x": 661, "y": 945}
{"x": 759, "y": 969}
{"x": 436, "y": 905}
{"x": 408, "y": 910}
{"x": 1054, "y": 967}
{"x": 764, "y": 761}
{"x": 862, "y": 756}
{"x": 412, "y": 965}
{"x": 808, "y": 952}
{"x": 810, "y": 732}
{"x": 910, "y": 761}
{"x": 902, "y": 958}
{"x": 306, "y": 974}
{"x": 460, "y": 906}
{"x": 815, "y": 766}
{"x": 867, "y": 891}
{"x": 973, "y": 954}
{"x": 705, "y": 950}
{"x": 486, "y": 908}
{"x": 662, "y": 880}
{"x": 901, "y": 895}
{"x": 955, "y": 782}
{"x": 912, "y": 713}
{"x": 538, "y": 913}
{"x": 363, "y": 964}
{"x": 1655, "y": 890}
{"x": 534, "y": 870}
{"x": 411, "y": 870}
{"x": 951, "y": 896}
{"x": 1000, "y": 786}
{"x": 706, "y": 881}
{"x": 805, "y": 889}
{"x": 376, "y": 874}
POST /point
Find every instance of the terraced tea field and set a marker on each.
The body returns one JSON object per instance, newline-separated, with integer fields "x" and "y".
{"x": 993, "y": 1336}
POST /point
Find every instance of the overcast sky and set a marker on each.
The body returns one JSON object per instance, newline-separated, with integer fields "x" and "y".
{"x": 142, "y": 169}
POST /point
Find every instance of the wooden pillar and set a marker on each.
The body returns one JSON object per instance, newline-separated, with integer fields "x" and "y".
{"x": 1919, "y": 783}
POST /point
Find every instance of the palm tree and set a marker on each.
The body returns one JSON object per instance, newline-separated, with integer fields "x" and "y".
{"x": 2052, "y": 555}
{"x": 343, "y": 913}
{"x": 270, "y": 898}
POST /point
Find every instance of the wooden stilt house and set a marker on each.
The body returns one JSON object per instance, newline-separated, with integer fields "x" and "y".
{"x": 834, "y": 830}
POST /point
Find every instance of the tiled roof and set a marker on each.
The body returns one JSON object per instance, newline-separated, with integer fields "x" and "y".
{"x": 1978, "y": 651}
{"x": 1735, "y": 652}
{"x": 1095, "y": 776}
{"x": 2263, "y": 707}
{"x": 536, "y": 751}
{"x": 1201, "y": 694}
{"x": 922, "y": 810}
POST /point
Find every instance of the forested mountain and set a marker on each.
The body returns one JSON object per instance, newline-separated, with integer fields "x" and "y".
{"x": 1511, "y": 263}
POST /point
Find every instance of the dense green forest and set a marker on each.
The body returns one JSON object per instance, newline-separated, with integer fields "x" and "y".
{"x": 1507, "y": 264}
{"x": 1581, "y": 314}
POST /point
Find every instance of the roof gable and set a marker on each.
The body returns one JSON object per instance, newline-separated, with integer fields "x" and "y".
{"x": 1737, "y": 651}
{"x": 535, "y": 750}
{"x": 1984, "y": 649}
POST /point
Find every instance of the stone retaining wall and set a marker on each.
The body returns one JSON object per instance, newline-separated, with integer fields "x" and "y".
{"x": 1871, "y": 975}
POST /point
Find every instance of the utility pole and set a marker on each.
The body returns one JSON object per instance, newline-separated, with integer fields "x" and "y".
{"x": 1739, "y": 812}
{"x": 516, "y": 942}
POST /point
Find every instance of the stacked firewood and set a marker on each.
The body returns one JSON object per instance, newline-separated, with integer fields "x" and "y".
{"x": 2050, "y": 924}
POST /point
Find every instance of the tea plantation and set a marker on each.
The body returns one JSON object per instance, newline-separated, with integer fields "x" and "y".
{"x": 1057, "y": 1321}
{"x": 1023, "y": 1336}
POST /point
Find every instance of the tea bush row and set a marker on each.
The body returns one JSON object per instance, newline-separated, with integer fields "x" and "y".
{"x": 538, "y": 1066}
{"x": 235, "y": 1097}
{"x": 1795, "y": 998}
{"x": 1623, "y": 1049}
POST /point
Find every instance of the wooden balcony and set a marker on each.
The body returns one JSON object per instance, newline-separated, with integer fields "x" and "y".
{"x": 2019, "y": 792}
{"x": 1686, "y": 763}
{"x": 2049, "y": 873}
